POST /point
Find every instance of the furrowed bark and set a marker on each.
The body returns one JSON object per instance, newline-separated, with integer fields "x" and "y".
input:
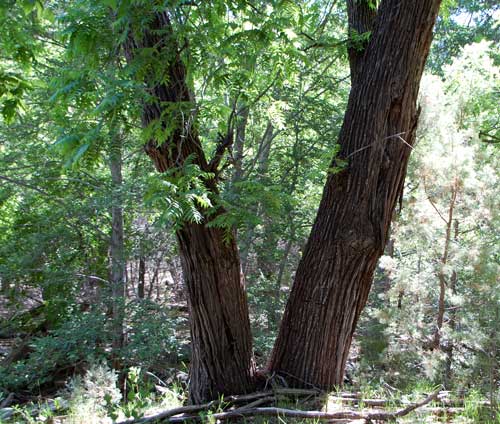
{"x": 335, "y": 273}
{"x": 221, "y": 345}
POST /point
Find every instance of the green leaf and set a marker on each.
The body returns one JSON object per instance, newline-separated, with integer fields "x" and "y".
{"x": 80, "y": 152}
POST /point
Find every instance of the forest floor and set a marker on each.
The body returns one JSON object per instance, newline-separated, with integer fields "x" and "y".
{"x": 268, "y": 407}
{"x": 163, "y": 399}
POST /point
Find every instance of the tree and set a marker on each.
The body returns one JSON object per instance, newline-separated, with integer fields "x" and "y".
{"x": 221, "y": 343}
{"x": 334, "y": 276}
{"x": 220, "y": 328}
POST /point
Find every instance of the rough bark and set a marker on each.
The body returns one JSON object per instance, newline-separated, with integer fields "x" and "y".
{"x": 361, "y": 17}
{"x": 221, "y": 344}
{"x": 221, "y": 361}
{"x": 351, "y": 228}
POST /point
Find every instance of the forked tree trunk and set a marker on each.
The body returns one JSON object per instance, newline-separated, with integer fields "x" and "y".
{"x": 221, "y": 345}
{"x": 351, "y": 228}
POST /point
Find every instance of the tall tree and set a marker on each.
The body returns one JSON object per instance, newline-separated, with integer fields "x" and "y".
{"x": 351, "y": 229}
{"x": 221, "y": 343}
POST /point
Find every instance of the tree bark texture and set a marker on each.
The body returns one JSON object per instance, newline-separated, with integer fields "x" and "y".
{"x": 335, "y": 273}
{"x": 221, "y": 344}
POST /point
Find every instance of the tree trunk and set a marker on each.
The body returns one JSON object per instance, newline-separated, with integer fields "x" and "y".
{"x": 116, "y": 248}
{"x": 351, "y": 228}
{"x": 448, "y": 373}
{"x": 221, "y": 344}
{"x": 239, "y": 143}
{"x": 142, "y": 277}
{"x": 262, "y": 160}
{"x": 441, "y": 271}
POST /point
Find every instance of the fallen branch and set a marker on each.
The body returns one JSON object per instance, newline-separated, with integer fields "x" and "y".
{"x": 441, "y": 410}
{"x": 444, "y": 402}
{"x": 405, "y": 411}
{"x": 245, "y": 411}
{"x": 230, "y": 400}
{"x": 274, "y": 412}
{"x": 259, "y": 402}
{"x": 365, "y": 402}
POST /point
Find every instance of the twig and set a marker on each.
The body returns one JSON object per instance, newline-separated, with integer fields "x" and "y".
{"x": 259, "y": 402}
{"x": 410, "y": 408}
{"x": 398, "y": 136}
{"x": 433, "y": 204}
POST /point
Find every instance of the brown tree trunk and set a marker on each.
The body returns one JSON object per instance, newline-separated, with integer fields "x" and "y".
{"x": 443, "y": 263}
{"x": 116, "y": 248}
{"x": 239, "y": 143}
{"x": 262, "y": 160}
{"x": 221, "y": 361}
{"x": 351, "y": 228}
{"x": 142, "y": 277}
{"x": 221, "y": 343}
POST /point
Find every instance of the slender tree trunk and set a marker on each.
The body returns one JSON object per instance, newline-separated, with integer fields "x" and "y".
{"x": 352, "y": 225}
{"x": 154, "y": 278}
{"x": 452, "y": 321}
{"x": 284, "y": 259}
{"x": 447, "y": 380}
{"x": 142, "y": 277}
{"x": 386, "y": 278}
{"x": 262, "y": 160}
{"x": 494, "y": 362}
{"x": 443, "y": 263}
{"x": 265, "y": 150}
{"x": 274, "y": 315}
{"x": 116, "y": 249}
{"x": 221, "y": 344}
{"x": 239, "y": 143}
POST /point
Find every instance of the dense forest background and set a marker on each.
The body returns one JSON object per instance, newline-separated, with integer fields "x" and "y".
{"x": 90, "y": 274}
